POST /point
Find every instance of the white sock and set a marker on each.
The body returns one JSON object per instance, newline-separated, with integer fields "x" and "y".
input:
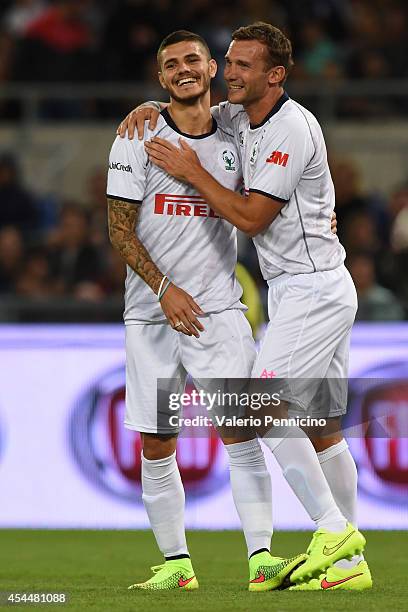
{"x": 300, "y": 466}
{"x": 341, "y": 473}
{"x": 252, "y": 492}
{"x": 163, "y": 498}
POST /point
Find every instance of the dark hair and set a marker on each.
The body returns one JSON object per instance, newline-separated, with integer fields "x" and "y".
{"x": 181, "y": 36}
{"x": 278, "y": 45}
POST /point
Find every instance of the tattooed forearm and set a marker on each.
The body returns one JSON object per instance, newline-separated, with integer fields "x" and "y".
{"x": 122, "y": 219}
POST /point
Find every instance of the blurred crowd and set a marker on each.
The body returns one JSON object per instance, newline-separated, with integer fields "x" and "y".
{"x": 59, "y": 249}
{"x": 116, "y": 40}
{"x": 51, "y": 248}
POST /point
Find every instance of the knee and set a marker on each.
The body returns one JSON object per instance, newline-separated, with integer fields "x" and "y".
{"x": 325, "y": 437}
{"x": 322, "y": 444}
{"x": 158, "y": 447}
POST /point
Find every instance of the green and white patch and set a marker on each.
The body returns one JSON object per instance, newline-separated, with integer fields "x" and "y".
{"x": 229, "y": 160}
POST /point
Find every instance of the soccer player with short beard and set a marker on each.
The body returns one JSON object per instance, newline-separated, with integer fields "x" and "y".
{"x": 288, "y": 195}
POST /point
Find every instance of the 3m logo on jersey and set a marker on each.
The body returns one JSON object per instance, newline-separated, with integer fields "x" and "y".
{"x": 278, "y": 158}
{"x": 182, "y": 206}
{"x": 120, "y": 166}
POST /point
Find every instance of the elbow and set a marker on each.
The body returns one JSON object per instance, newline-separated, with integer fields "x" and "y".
{"x": 251, "y": 232}
{"x": 247, "y": 226}
{"x": 253, "y": 228}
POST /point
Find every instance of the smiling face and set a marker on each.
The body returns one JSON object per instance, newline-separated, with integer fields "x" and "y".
{"x": 247, "y": 72}
{"x": 186, "y": 71}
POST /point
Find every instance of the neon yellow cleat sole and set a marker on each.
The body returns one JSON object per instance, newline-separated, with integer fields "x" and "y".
{"x": 326, "y": 548}
{"x": 177, "y": 574}
{"x": 357, "y": 578}
{"x": 267, "y": 573}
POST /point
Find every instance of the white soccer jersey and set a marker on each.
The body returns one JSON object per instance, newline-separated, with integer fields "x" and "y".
{"x": 184, "y": 237}
{"x": 285, "y": 158}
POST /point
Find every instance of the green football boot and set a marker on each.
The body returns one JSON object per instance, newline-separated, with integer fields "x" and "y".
{"x": 356, "y": 578}
{"x": 326, "y": 548}
{"x": 267, "y": 573}
{"x": 174, "y": 574}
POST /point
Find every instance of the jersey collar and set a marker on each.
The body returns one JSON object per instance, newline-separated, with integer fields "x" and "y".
{"x": 166, "y": 116}
{"x": 278, "y": 105}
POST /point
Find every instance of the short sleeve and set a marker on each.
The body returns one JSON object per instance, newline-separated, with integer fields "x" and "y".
{"x": 221, "y": 113}
{"x": 127, "y": 170}
{"x": 228, "y": 117}
{"x": 284, "y": 153}
{"x": 226, "y": 114}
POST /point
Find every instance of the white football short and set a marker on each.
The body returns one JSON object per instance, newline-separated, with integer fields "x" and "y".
{"x": 308, "y": 337}
{"x": 225, "y": 349}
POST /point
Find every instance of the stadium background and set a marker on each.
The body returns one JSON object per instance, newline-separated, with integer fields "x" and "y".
{"x": 69, "y": 71}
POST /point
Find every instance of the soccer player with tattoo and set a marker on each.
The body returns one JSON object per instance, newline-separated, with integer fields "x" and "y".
{"x": 288, "y": 199}
{"x": 183, "y": 312}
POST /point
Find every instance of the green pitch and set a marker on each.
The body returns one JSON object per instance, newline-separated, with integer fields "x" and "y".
{"x": 95, "y": 568}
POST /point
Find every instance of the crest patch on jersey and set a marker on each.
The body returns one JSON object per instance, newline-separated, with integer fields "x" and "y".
{"x": 254, "y": 153}
{"x": 229, "y": 160}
